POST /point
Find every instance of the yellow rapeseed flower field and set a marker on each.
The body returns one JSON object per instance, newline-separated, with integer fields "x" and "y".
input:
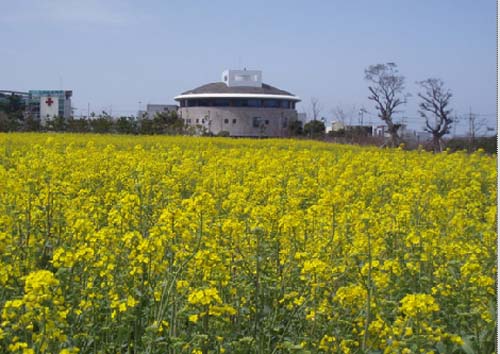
{"x": 114, "y": 244}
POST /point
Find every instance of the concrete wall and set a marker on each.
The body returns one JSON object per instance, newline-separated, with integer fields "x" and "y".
{"x": 67, "y": 108}
{"x": 239, "y": 121}
{"x": 49, "y": 111}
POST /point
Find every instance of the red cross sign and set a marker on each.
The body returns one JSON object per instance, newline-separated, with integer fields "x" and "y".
{"x": 49, "y": 101}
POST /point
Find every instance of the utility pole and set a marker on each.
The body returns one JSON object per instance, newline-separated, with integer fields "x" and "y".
{"x": 362, "y": 111}
{"x": 472, "y": 127}
{"x": 455, "y": 123}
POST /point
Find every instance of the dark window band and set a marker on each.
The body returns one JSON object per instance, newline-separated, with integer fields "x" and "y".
{"x": 238, "y": 102}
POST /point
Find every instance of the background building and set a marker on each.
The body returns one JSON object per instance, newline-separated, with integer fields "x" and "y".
{"x": 241, "y": 105}
{"x": 152, "y": 109}
{"x": 4, "y": 94}
{"x": 359, "y": 129}
{"x": 47, "y": 104}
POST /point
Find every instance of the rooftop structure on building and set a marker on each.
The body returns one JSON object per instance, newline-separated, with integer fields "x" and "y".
{"x": 239, "y": 105}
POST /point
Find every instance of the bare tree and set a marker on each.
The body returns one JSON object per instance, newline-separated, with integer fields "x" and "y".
{"x": 387, "y": 92}
{"x": 344, "y": 113}
{"x": 339, "y": 114}
{"x": 434, "y": 109}
{"x": 315, "y": 108}
{"x": 477, "y": 127}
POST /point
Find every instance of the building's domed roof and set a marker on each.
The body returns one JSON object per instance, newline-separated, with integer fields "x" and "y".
{"x": 222, "y": 88}
{"x": 238, "y": 84}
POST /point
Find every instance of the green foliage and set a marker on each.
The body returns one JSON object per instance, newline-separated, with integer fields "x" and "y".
{"x": 295, "y": 128}
{"x": 126, "y": 125}
{"x": 223, "y": 133}
{"x": 351, "y": 132}
{"x": 31, "y": 124}
{"x": 58, "y": 124}
{"x": 168, "y": 123}
{"x": 78, "y": 125}
{"x": 11, "y": 113}
{"x": 11, "y": 104}
{"x": 314, "y": 128}
{"x": 145, "y": 126}
{"x": 341, "y": 133}
{"x": 102, "y": 124}
{"x": 488, "y": 144}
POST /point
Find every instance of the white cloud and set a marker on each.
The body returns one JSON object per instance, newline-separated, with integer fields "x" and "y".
{"x": 104, "y": 12}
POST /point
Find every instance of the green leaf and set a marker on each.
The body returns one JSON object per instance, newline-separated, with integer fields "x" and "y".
{"x": 440, "y": 347}
{"x": 467, "y": 346}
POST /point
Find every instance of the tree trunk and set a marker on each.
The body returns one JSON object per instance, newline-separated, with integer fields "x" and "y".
{"x": 392, "y": 128}
{"x": 436, "y": 142}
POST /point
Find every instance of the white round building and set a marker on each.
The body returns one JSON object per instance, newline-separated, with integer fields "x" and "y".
{"x": 240, "y": 105}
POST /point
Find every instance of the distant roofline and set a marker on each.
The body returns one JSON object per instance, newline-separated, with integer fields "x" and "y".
{"x": 19, "y": 93}
{"x": 236, "y": 95}
{"x": 161, "y": 104}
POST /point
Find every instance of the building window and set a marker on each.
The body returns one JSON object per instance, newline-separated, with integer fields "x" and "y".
{"x": 271, "y": 103}
{"x": 267, "y": 122}
{"x": 242, "y": 78}
{"x": 254, "y": 103}
{"x": 236, "y": 102}
{"x": 203, "y": 121}
{"x": 226, "y": 121}
{"x": 188, "y": 121}
{"x": 239, "y": 103}
{"x": 256, "y": 122}
{"x": 197, "y": 120}
{"x": 221, "y": 102}
{"x": 234, "y": 121}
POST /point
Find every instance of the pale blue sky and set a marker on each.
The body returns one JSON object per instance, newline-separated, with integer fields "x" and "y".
{"x": 115, "y": 53}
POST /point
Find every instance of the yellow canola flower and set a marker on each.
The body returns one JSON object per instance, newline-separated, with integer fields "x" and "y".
{"x": 69, "y": 351}
{"x": 221, "y": 244}
{"x": 414, "y": 305}
{"x": 40, "y": 281}
{"x": 204, "y": 297}
{"x": 131, "y": 302}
